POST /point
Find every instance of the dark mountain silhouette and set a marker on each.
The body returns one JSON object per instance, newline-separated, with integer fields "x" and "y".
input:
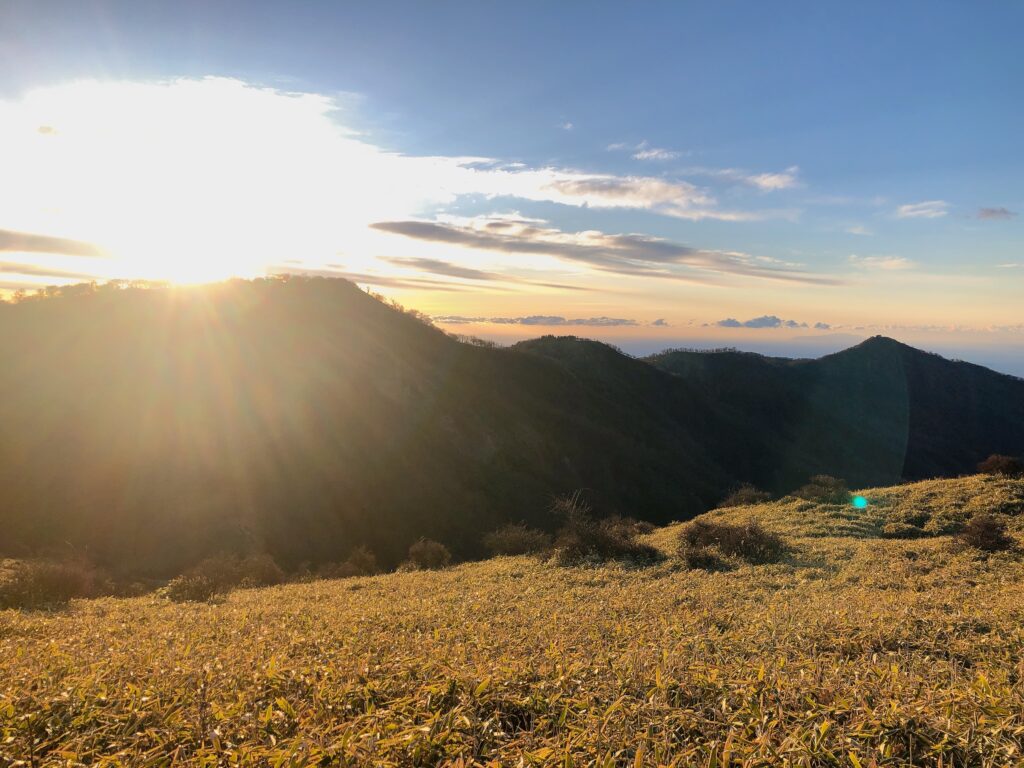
{"x": 150, "y": 427}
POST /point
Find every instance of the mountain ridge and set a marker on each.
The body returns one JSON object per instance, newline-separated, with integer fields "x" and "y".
{"x": 150, "y": 427}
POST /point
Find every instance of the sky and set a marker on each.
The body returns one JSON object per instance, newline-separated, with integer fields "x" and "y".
{"x": 787, "y": 178}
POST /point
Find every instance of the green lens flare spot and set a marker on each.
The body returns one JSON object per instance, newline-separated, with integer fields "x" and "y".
{"x": 860, "y": 502}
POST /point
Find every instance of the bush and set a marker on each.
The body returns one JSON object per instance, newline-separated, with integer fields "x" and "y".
{"x": 985, "y": 532}
{"x": 902, "y": 531}
{"x": 430, "y": 555}
{"x": 745, "y": 496}
{"x": 998, "y": 464}
{"x": 517, "y": 539}
{"x": 748, "y": 542}
{"x": 824, "y": 489}
{"x": 259, "y": 571}
{"x": 360, "y": 562}
{"x": 582, "y": 537}
{"x": 701, "y": 558}
{"x": 221, "y": 574}
{"x": 40, "y": 583}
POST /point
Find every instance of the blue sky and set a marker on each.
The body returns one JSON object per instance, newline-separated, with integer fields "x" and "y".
{"x": 866, "y": 155}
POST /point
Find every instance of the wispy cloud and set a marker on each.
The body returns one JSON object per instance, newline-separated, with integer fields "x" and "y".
{"x": 929, "y": 209}
{"x": 885, "y": 263}
{"x": 25, "y": 242}
{"x": 995, "y": 213}
{"x": 765, "y": 321}
{"x": 644, "y": 151}
{"x": 541, "y": 320}
{"x": 858, "y": 229}
{"x": 566, "y": 126}
{"x": 36, "y": 270}
{"x": 625, "y": 254}
{"x": 310, "y": 166}
{"x": 766, "y": 182}
{"x": 365, "y": 278}
{"x": 448, "y": 269}
{"x": 443, "y": 268}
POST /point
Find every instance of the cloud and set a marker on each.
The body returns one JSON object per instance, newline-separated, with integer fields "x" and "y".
{"x": 443, "y": 268}
{"x": 277, "y": 167}
{"x": 859, "y": 229}
{"x": 566, "y": 126}
{"x": 822, "y": 326}
{"x": 1011, "y": 265}
{"x": 380, "y": 281}
{"x": 995, "y": 213}
{"x": 439, "y": 267}
{"x": 884, "y": 263}
{"x": 773, "y": 181}
{"x": 35, "y": 270}
{"x": 540, "y": 320}
{"x": 766, "y": 182}
{"x": 25, "y": 242}
{"x": 661, "y": 322}
{"x": 625, "y": 254}
{"x": 644, "y": 151}
{"x": 930, "y": 209}
{"x": 765, "y": 321}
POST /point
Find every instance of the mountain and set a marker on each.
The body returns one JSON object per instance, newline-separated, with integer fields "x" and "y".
{"x": 874, "y": 413}
{"x": 149, "y": 427}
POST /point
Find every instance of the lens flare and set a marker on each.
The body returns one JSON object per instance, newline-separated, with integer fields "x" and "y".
{"x": 860, "y": 502}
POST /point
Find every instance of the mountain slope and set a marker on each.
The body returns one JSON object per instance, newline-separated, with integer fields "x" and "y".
{"x": 874, "y": 413}
{"x": 856, "y": 650}
{"x": 150, "y": 427}
{"x": 306, "y": 417}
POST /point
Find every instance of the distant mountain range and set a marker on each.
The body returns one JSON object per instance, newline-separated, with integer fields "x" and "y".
{"x": 149, "y": 427}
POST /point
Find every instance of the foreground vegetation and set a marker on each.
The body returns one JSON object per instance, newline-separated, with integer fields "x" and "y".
{"x": 857, "y": 647}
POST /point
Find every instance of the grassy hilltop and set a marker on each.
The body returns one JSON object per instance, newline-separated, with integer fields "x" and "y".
{"x": 857, "y": 649}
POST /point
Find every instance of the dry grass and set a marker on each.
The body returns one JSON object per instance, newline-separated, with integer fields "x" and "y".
{"x": 856, "y": 650}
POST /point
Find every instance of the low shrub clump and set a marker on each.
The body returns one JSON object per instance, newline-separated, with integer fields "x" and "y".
{"x": 221, "y": 574}
{"x": 517, "y": 539}
{"x": 42, "y": 584}
{"x": 998, "y": 464}
{"x": 748, "y": 541}
{"x": 584, "y": 538}
{"x": 701, "y": 558}
{"x": 824, "y": 489}
{"x": 902, "y": 531}
{"x": 428, "y": 555}
{"x": 744, "y": 496}
{"x": 360, "y": 562}
{"x": 986, "y": 533}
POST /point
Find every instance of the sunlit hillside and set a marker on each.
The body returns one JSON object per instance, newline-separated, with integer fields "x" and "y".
{"x": 857, "y": 649}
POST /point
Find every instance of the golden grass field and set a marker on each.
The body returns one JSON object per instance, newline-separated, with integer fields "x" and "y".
{"x": 856, "y": 651}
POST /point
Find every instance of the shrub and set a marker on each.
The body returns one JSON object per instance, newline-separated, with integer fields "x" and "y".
{"x": 582, "y": 537}
{"x": 745, "y": 496}
{"x": 221, "y": 574}
{"x": 998, "y": 464}
{"x": 701, "y": 558}
{"x": 40, "y": 583}
{"x": 360, "y": 562}
{"x": 749, "y": 541}
{"x": 902, "y": 531}
{"x": 824, "y": 489}
{"x": 517, "y": 539}
{"x": 429, "y": 555}
{"x": 259, "y": 571}
{"x": 985, "y": 532}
